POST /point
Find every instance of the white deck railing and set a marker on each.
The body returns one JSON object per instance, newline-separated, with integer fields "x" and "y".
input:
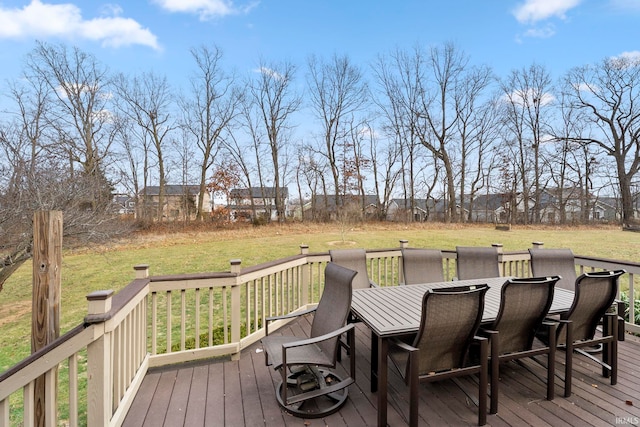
{"x": 159, "y": 320}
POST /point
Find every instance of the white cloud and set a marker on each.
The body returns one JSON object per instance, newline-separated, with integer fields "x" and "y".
{"x": 532, "y": 11}
{"x": 269, "y": 72}
{"x": 541, "y": 32}
{"x": 38, "y": 19}
{"x": 206, "y": 9}
{"x": 632, "y": 56}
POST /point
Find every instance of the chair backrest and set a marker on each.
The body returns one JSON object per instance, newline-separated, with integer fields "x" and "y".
{"x": 422, "y": 265}
{"x": 554, "y": 262}
{"x": 524, "y": 303}
{"x": 356, "y": 260}
{"x": 450, "y": 319}
{"x": 595, "y": 293}
{"x": 477, "y": 262}
{"x": 334, "y": 306}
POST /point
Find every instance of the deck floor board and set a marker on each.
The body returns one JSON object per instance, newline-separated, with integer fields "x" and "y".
{"x": 222, "y": 392}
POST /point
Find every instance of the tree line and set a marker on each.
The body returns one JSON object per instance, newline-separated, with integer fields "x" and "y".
{"x": 416, "y": 123}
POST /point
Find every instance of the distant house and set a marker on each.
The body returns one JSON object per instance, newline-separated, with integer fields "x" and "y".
{"x": 180, "y": 202}
{"x": 489, "y": 208}
{"x": 256, "y": 202}
{"x": 124, "y": 204}
{"x": 400, "y": 210}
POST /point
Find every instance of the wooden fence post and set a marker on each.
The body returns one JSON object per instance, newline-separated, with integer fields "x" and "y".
{"x": 99, "y": 373}
{"x": 305, "y": 280}
{"x": 236, "y": 267}
{"x": 45, "y": 313}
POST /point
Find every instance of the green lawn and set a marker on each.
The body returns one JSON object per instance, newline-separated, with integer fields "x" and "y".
{"x": 112, "y": 267}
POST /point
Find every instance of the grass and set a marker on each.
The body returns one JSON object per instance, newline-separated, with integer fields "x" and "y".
{"x": 111, "y": 267}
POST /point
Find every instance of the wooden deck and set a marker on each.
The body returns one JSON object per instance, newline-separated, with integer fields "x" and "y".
{"x": 241, "y": 393}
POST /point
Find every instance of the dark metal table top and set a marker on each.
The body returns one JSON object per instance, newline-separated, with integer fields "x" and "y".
{"x": 396, "y": 310}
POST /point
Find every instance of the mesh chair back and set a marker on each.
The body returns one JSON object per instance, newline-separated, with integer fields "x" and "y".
{"x": 523, "y": 306}
{"x": 554, "y": 262}
{"x": 356, "y": 260}
{"x": 450, "y": 319}
{"x": 595, "y": 293}
{"x": 334, "y": 305}
{"x": 422, "y": 265}
{"x": 476, "y": 262}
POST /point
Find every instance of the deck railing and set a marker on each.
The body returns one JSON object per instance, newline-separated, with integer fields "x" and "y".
{"x": 160, "y": 320}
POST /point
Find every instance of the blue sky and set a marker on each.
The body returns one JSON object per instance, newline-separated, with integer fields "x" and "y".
{"x": 145, "y": 35}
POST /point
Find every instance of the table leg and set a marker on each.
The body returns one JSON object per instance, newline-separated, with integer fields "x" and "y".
{"x": 382, "y": 381}
{"x": 374, "y": 362}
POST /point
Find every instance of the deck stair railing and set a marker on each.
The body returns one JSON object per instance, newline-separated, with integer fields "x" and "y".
{"x": 161, "y": 320}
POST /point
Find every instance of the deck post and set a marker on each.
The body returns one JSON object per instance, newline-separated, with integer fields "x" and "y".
{"x": 99, "y": 375}
{"x": 236, "y": 268}
{"x": 404, "y": 243}
{"x": 305, "y": 277}
{"x": 45, "y": 312}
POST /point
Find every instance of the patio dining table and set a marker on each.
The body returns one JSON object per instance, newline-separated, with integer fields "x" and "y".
{"x": 396, "y": 310}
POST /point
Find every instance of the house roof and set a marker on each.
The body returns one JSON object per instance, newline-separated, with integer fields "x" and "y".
{"x": 257, "y": 192}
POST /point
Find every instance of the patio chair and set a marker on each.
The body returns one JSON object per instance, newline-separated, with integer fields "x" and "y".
{"x": 307, "y": 389}
{"x": 524, "y": 304}
{"x": 561, "y": 262}
{"x": 448, "y": 326}
{"x": 554, "y": 262}
{"x": 421, "y": 266}
{"x": 477, "y": 262}
{"x": 356, "y": 260}
{"x": 594, "y": 296}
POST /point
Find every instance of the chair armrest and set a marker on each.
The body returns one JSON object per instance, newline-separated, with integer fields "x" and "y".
{"x": 401, "y": 345}
{"x": 373, "y": 284}
{"x": 318, "y": 339}
{"x": 286, "y": 316}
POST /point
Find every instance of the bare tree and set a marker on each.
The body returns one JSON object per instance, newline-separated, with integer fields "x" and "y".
{"x": 276, "y": 101}
{"x": 209, "y": 110}
{"x": 529, "y": 100}
{"x": 438, "y": 113}
{"x": 146, "y": 100}
{"x": 338, "y": 91}
{"x": 80, "y": 87}
{"x": 475, "y": 127}
{"x": 609, "y": 94}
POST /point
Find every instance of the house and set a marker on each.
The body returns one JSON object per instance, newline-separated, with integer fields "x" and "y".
{"x": 257, "y": 202}
{"x": 180, "y": 202}
{"x": 400, "y": 210}
{"x": 124, "y": 204}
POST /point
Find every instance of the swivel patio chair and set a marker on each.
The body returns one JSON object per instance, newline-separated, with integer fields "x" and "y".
{"x": 554, "y": 262}
{"x": 307, "y": 389}
{"x": 524, "y": 304}
{"x": 448, "y": 326}
{"x": 421, "y": 266}
{"x": 594, "y": 296}
{"x": 477, "y": 262}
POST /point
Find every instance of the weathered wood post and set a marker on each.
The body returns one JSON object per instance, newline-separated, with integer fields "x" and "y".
{"x": 45, "y": 313}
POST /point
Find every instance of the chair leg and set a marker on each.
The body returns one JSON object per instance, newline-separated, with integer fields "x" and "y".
{"x": 568, "y": 368}
{"x": 495, "y": 371}
{"x": 551, "y": 363}
{"x": 414, "y": 381}
{"x": 483, "y": 383}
